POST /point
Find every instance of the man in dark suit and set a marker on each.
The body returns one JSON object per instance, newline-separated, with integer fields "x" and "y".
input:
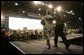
{"x": 59, "y": 30}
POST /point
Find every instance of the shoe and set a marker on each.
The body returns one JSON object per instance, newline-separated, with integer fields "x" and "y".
{"x": 67, "y": 46}
{"x": 55, "y": 46}
{"x": 48, "y": 47}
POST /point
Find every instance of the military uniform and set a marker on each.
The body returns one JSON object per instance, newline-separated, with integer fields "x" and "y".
{"x": 48, "y": 26}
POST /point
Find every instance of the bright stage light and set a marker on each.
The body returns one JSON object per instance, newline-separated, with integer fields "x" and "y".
{"x": 37, "y": 2}
{"x": 50, "y": 6}
{"x": 16, "y": 4}
{"x": 59, "y": 8}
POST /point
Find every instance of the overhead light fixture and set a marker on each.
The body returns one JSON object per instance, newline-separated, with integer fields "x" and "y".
{"x": 79, "y": 18}
{"x": 54, "y": 22}
{"x": 16, "y": 4}
{"x": 71, "y": 11}
{"x": 23, "y": 11}
{"x": 59, "y": 8}
{"x": 39, "y": 14}
{"x": 39, "y": 8}
{"x": 37, "y": 2}
{"x": 50, "y": 6}
{"x": 2, "y": 17}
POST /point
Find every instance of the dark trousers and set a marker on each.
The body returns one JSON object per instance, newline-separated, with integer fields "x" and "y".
{"x": 59, "y": 32}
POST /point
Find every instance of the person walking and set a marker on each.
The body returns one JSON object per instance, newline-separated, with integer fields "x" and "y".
{"x": 59, "y": 28}
{"x": 47, "y": 23}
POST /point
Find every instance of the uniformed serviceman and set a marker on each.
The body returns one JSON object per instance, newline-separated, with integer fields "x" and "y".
{"x": 48, "y": 26}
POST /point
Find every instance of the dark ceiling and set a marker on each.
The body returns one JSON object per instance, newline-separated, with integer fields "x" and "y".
{"x": 8, "y": 7}
{"x": 28, "y": 6}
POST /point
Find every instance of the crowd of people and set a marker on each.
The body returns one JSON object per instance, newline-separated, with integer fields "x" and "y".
{"x": 20, "y": 34}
